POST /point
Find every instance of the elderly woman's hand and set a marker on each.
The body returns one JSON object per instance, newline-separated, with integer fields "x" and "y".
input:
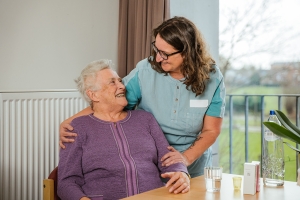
{"x": 179, "y": 182}
{"x": 64, "y": 133}
{"x": 85, "y": 198}
{"x": 174, "y": 156}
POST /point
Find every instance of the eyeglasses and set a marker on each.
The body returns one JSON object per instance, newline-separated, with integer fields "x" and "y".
{"x": 162, "y": 54}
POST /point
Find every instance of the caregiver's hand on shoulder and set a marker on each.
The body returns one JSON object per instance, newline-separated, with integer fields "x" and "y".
{"x": 179, "y": 182}
{"x": 174, "y": 156}
{"x": 64, "y": 133}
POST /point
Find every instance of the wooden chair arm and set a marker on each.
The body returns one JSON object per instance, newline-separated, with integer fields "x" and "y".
{"x": 48, "y": 190}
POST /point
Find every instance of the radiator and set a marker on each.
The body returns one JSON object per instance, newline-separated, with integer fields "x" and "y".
{"x": 29, "y": 139}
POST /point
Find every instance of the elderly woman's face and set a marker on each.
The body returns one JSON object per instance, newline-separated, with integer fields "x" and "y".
{"x": 112, "y": 91}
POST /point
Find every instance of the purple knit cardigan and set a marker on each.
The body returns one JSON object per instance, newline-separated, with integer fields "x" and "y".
{"x": 113, "y": 159}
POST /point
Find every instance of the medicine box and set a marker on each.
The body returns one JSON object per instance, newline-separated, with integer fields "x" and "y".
{"x": 249, "y": 186}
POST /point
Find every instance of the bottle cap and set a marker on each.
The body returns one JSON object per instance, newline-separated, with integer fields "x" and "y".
{"x": 272, "y": 112}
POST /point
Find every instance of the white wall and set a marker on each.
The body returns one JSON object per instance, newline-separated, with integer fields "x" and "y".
{"x": 45, "y": 44}
{"x": 205, "y": 15}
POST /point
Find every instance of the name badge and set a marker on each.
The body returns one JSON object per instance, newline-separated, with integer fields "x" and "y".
{"x": 199, "y": 103}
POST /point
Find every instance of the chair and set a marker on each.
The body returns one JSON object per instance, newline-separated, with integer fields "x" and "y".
{"x": 50, "y": 186}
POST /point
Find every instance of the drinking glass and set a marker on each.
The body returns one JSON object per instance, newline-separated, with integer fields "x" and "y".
{"x": 213, "y": 177}
{"x": 237, "y": 182}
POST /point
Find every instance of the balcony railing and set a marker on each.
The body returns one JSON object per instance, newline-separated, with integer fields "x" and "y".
{"x": 258, "y": 109}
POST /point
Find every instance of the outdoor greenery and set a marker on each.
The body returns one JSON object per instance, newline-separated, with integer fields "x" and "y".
{"x": 254, "y": 130}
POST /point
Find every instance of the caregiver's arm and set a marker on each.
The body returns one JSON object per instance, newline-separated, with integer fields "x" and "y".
{"x": 210, "y": 131}
{"x": 65, "y": 127}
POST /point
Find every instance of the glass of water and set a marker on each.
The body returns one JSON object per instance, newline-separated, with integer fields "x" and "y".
{"x": 213, "y": 177}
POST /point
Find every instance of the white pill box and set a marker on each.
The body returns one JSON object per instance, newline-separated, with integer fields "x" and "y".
{"x": 249, "y": 186}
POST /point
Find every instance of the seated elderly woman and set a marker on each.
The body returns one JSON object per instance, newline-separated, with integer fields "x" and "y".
{"x": 116, "y": 153}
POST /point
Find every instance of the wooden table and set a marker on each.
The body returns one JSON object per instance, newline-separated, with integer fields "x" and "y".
{"x": 290, "y": 191}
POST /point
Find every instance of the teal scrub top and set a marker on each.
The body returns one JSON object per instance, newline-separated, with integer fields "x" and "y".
{"x": 178, "y": 111}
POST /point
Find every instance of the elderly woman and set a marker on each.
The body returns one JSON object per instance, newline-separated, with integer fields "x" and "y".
{"x": 116, "y": 153}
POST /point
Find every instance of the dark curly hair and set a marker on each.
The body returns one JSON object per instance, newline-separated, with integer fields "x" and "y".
{"x": 197, "y": 64}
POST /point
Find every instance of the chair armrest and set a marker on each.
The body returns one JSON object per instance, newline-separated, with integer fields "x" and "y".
{"x": 48, "y": 189}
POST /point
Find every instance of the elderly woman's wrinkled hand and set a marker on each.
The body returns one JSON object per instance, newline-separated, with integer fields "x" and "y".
{"x": 85, "y": 198}
{"x": 179, "y": 182}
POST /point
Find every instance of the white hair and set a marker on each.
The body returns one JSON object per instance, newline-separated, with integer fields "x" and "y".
{"x": 87, "y": 79}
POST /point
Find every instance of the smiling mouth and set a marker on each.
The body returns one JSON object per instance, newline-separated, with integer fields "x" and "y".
{"x": 120, "y": 95}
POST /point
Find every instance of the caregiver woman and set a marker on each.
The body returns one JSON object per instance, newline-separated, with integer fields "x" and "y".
{"x": 183, "y": 88}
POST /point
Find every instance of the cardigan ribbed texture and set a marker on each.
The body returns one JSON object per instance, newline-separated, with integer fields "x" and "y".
{"x": 115, "y": 160}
